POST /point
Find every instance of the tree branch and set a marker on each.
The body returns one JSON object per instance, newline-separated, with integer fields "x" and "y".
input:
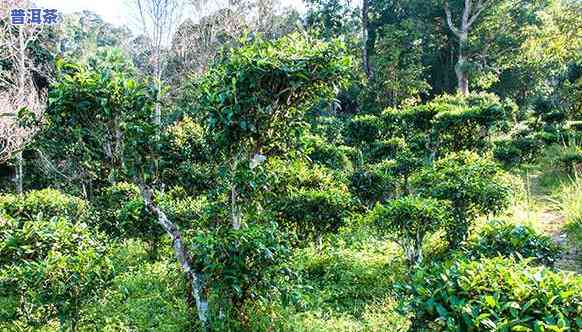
{"x": 456, "y": 31}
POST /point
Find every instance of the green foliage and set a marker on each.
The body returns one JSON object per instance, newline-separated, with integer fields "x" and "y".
{"x": 289, "y": 176}
{"x": 187, "y": 139}
{"x": 501, "y": 238}
{"x": 331, "y": 18}
{"x": 517, "y": 150}
{"x": 312, "y": 213}
{"x": 331, "y": 128}
{"x": 570, "y": 203}
{"x": 363, "y": 129}
{"x": 572, "y": 160}
{"x": 374, "y": 183}
{"x": 330, "y": 155}
{"x": 346, "y": 287}
{"x": 451, "y": 122}
{"x": 50, "y": 268}
{"x": 121, "y": 213}
{"x": 409, "y": 220}
{"x": 46, "y": 203}
{"x": 91, "y": 119}
{"x": 495, "y": 294}
{"x": 466, "y": 122}
{"x": 141, "y": 299}
{"x": 255, "y": 96}
{"x": 385, "y": 149}
{"x": 399, "y": 74}
{"x": 238, "y": 265}
{"x": 474, "y": 186}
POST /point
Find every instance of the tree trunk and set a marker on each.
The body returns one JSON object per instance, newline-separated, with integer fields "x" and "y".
{"x": 461, "y": 70}
{"x": 158, "y": 75}
{"x": 235, "y": 211}
{"x": 365, "y": 27}
{"x": 19, "y": 174}
{"x": 196, "y": 278}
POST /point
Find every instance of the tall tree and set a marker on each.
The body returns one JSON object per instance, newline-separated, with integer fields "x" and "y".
{"x": 365, "y": 34}
{"x": 158, "y": 20}
{"x": 21, "y": 97}
{"x": 472, "y": 9}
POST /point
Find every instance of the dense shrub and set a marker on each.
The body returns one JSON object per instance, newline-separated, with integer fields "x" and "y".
{"x": 409, "y": 121}
{"x": 409, "y": 220}
{"x": 122, "y": 214}
{"x": 147, "y": 297}
{"x": 333, "y": 156}
{"x": 363, "y": 129}
{"x": 496, "y": 295}
{"x": 312, "y": 213}
{"x": 187, "y": 140}
{"x": 474, "y": 185}
{"x": 238, "y": 265}
{"x": 374, "y": 183}
{"x": 500, "y": 238}
{"x": 49, "y": 269}
{"x": 287, "y": 176}
{"x": 572, "y": 161}
{"x": 385, "y": 149}
{"x": 255, "y": 97}
{"x": 517, "y": 150}
{"x": 331, "y": 128}
{"x": 44, "y": 203}
{"x": 183, "y": 209}
{"x": 451, "y": 122}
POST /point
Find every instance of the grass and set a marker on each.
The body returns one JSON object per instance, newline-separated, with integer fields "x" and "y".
{"x": 549, "y": 199}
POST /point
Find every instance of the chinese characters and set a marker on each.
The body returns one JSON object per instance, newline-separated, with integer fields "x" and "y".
{"x": 19, "y": 16}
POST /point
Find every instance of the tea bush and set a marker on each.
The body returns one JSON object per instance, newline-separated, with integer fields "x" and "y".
{"x": 572, "y": 161}
{"x": 45, "y": 203}
{"x": 363, "y": 129}
{"x": 474, "y": 186}
{"x": 374, "y": 183}
{"x": 49, "y": 269}
{"x": 409, "y": 220}
{"x": 313, "y": 213}
{"x": 501, "y": 238}
{"x": 385, "y": 149}
{"x": 517, "y": 150}
{"x": 287, "y": 176}
{"x": 238, "y": 265}
{"x": 330, "y": 155}
{"x": 495, "y": 294}
{"x": 451, "y": 123}
{"x": 122, "y": 214}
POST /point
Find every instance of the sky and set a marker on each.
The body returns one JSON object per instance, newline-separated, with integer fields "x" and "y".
{"x": 114, "y": 11}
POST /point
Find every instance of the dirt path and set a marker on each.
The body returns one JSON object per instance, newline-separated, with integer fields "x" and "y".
{"x": 551, "y": 221}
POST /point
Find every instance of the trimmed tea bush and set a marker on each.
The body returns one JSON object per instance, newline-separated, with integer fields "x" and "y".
{"x": 363, "y": 129}
{"x": 474, "y": 186}
{"x": 330, "y": 155}
{"x": 495, "y": 294}
{"x": 572, "y": 161}
{"x": 313, "y": 213}
{"x": 374, "y": 183}
{"x": 238, "y": 265}
{"x": 45, "y": 203}
{"x": 409, "y": 220}
{"x": 49, "y": 269}
{"x": 501, "y": 238}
